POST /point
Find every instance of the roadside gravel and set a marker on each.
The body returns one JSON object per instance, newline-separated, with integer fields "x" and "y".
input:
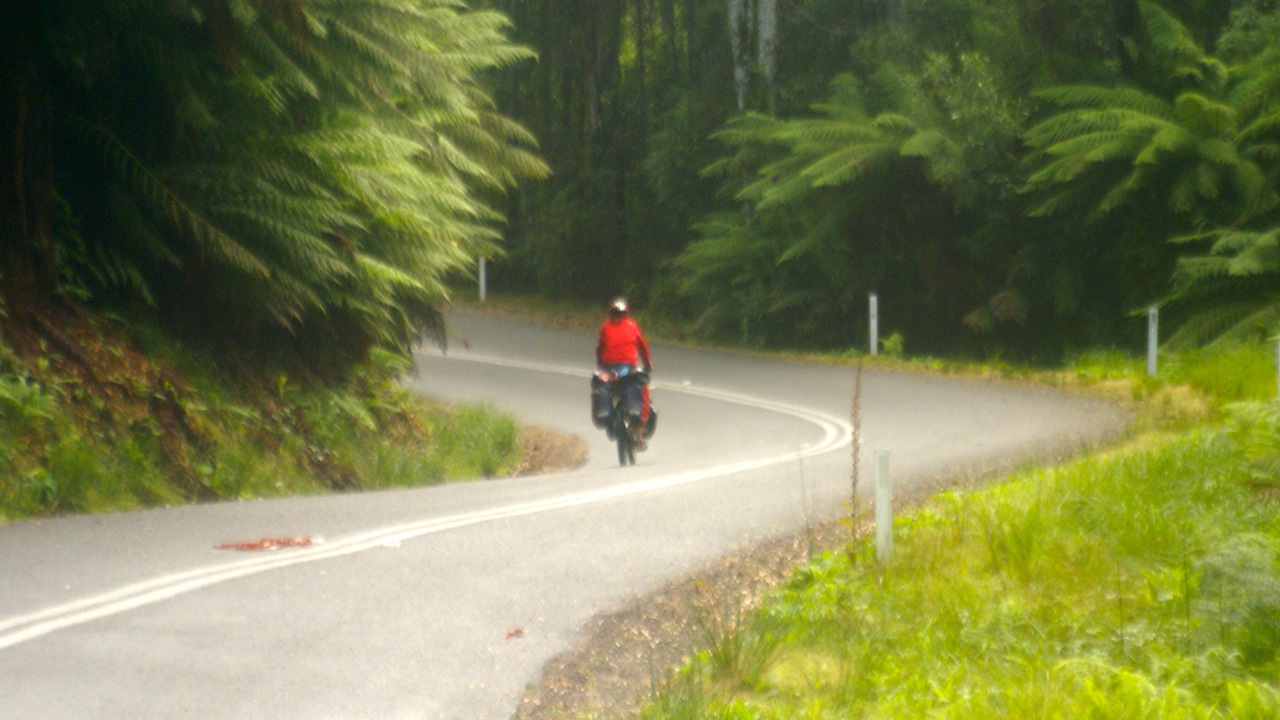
{"x": 625, "y": 654}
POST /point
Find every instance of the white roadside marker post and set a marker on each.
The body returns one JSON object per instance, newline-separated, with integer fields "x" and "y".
{"x": 483, "y": 280}
{"x": 874, "y": 312}
{"x": 884, "y": 508}
{"x": 1153, "y": 338}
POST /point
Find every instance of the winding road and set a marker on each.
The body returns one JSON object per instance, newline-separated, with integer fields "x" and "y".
{"x": 446, "y": 602}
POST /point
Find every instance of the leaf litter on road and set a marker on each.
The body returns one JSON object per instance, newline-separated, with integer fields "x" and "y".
{"x": 267, "y": 543}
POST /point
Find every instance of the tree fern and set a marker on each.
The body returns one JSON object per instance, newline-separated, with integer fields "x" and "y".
{"x": 166, "y": 204}
{"x": 1177, "y": 50}
{"x": 1224, "y": 322}
{"x": 303, "y": 163}
{"x": 944, "y": 137}
{"x": 1181, "y": 142}
{"x": 848, "y": 164}
{"x": 1231, "y": 287}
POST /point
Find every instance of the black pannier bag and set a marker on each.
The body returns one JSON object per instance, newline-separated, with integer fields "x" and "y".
{"x": 634, "y": 393}
{"x": 599, "y": 401}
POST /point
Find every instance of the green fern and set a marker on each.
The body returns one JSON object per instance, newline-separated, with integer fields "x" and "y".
{"x": 1178, "y": 51}
{"x": 1235, "y": 280}
{"x": 1185, "y": 140}
{"x": 783, "y": 270}
{"x": 1201, "y": 141}
{"x": 299, "y": 168}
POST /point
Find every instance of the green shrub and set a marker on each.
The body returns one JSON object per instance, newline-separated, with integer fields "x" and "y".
{"x": 23, "y": 403}
{"x": 1254, "y": 427}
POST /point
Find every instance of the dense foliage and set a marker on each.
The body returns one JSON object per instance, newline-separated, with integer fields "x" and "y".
{"x": 1007, "y": 175}
{"x": 296, "y": 173}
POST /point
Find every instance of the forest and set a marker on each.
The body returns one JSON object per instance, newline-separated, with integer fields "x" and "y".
{"x": 1010, "y": 177}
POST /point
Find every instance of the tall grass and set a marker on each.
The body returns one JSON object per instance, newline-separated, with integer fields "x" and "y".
{"x": 1140, "y": 583}
{"x": 1231, "y": 374}
{"x": 1144, "y": 584}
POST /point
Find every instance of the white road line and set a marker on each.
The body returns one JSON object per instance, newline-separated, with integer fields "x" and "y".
{"x": 22, "y": 628}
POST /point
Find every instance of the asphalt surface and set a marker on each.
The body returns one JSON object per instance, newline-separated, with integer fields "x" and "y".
{"x": 446, "y": 602}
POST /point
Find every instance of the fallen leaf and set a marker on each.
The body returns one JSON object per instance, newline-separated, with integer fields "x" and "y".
{"x": 267, "y": 544}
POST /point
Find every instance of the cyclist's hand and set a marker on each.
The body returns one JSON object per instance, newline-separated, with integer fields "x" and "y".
{"x": 648, "y": 368}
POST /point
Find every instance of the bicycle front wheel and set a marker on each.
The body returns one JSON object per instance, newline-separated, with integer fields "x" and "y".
{"x": 625, "y": 437}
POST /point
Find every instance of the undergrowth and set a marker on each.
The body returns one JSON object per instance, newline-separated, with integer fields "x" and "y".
{"x": 95, "y": 423}
{"x": 1143, "y": 582}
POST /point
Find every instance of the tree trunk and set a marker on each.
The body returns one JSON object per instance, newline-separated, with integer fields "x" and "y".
{"x": 642, "y": 28}
{"x": 693, "y": 54}
{"x": 28, "y": 268}
{"x": 670, "y": 34}
{"x": 767, "y": 48}
{"x": 603, "y": 135}
{"x": 739, "y": 40}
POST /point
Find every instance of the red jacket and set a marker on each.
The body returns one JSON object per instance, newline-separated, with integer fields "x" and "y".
{"x": 621, "y": 343}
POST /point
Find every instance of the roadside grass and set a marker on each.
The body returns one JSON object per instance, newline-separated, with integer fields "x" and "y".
{"x": 160, "y": 426}
{"x": 1223, "y": 374}
{"x": 1140, "y": 582}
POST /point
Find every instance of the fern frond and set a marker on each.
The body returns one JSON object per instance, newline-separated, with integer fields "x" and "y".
{"x": 1256, "y": 84}
{"x": 1263, "y": 127}
{"x": 1172, "y": 41}
{"x": 1218, "y": 152}
{"x": 772, "y": 193}
{"x": 164, "y": 202}
{"x": 1120, "y": 193}
{"x": 279, "y": 66}
{"x": 1073, "y": 124}
{"x": 848, "y": 165}
{"x": 1228, "y": 242}
{"x": 1169, "y": 140}
{"x": 896, "y": 124}
{"x": 1204, "y": 116}
{"x": 748, "y": 128}
{"x": 1220, "y": 323}
{"x": 924, "y": 144}
{"x": 1081, "y": 155}
{"x": 1261, "y": 258}
{"x": 386, "y": 275}
{"x": 825, "y": 133}
{"x": 1104, "y": 98}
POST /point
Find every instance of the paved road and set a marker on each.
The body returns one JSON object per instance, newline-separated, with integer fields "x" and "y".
{"x": 446, "y": 602}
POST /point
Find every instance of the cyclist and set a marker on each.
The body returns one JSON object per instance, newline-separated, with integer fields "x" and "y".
{"x": 621, "y": 349}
